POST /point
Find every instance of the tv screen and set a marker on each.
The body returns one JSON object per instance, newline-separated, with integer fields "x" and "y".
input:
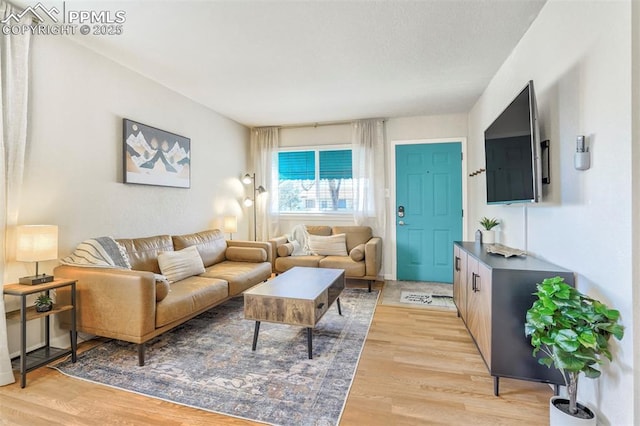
{"x": 511, "y": 145}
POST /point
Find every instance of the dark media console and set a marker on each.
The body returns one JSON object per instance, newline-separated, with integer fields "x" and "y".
{"x": 492, "y": 294}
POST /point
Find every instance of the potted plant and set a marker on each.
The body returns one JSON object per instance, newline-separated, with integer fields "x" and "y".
{"x": 488, "y": 235}
{"x": 43, "y": 303}
{"x": 572, "y": 330}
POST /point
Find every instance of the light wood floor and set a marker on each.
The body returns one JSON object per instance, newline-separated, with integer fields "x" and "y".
{"x": 418, "y": 367}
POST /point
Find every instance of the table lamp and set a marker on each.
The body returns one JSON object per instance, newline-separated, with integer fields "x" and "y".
{"x": 36, "y": 243}
{"x": 230, "y": 225}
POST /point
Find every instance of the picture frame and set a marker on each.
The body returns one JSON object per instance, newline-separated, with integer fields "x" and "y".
{"x": 152, "y": 156}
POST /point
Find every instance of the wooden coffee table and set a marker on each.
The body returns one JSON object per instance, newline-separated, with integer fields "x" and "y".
{"x": 300, "y": 296}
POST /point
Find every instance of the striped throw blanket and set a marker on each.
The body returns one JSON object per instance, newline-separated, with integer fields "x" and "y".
{"x": 101, "y": 252}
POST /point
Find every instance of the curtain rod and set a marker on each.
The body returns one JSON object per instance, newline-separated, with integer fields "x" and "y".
{"x": 325, "y": 123}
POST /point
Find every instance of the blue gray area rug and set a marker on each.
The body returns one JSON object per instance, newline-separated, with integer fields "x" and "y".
{"x": 207, "y": 363}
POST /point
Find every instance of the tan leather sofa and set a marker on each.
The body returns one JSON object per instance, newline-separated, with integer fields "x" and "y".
{"x": 358, "y": 239}
{"x": 122, "y": 304}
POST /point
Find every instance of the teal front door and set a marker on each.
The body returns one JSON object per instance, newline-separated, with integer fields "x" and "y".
{"x": 428, "y": 210}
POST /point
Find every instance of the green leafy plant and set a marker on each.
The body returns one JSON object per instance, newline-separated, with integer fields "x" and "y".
{"x": 489, "y": 223}
{"x": 43, "y": 302}
{"x": 572, "y": 330}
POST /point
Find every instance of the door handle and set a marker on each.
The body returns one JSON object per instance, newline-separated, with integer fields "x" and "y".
{"x": 457, "y": 263}
{"x": 401, "y": 222}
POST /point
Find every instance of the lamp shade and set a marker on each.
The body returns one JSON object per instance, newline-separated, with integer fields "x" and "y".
{"x": 246, "y": 179}
{"x": 230, "y": 224}
{"x": 36, "y": 243}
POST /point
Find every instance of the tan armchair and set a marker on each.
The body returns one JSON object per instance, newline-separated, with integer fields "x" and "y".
{"x": 363, "y": 260}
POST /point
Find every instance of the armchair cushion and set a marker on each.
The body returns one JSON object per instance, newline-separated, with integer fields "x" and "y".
{"x": 355, "y": 234}
{"x": 285, "y": 249}
{"x": 357, "y": 253}
{"x": 351, "y": 269}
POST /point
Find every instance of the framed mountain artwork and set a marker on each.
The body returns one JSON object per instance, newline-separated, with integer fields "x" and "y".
{"x": 155, "y": 157}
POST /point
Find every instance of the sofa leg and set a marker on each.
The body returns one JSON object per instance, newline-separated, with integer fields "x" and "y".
{"x": 369, "y": 282}
{"x": 141, "y": 354}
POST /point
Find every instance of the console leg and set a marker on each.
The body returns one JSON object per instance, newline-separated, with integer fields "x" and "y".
{"x": 339, "y": 308}
{"x": 309, "y": 340}
{"x": 496, "y": 385}
{"x": 255, "y": 336}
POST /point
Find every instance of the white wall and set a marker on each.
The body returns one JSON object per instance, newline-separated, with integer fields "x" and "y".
{"x": 397, "y": 129}
{"x": 635, "y": 179}
{"x": 73, "y": 175}
{"x": 579, "y": 56}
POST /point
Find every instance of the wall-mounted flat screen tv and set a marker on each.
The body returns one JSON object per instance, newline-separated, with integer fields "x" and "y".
{"x": 512, "y": 152}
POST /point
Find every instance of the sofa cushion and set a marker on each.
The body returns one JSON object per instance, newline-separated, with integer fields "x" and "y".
{"x": 355, "y": 234}
{"x": 181, "y": 264}
{"x": 246, "y": 254}
{"x": 285, "y": 263}
{"x": 351, "y": 269}
{"x": 188, "y": 296}
{"x": 162, "y": 289}
{"x": 239, "y": 275}
{"x": 357, "y": 253}
{"x": 211, "y": 245}
{"x": 319, "y": 230}
{"x": 332, "y": 245}
{"x": 143, "y": 252}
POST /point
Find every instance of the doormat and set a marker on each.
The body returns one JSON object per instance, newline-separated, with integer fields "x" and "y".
{"x": 415, "y": 298}
{"x": 418, "y": 294}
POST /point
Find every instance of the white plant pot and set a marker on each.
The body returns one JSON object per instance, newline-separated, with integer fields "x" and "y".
{"x": 557, "y": 417}
{"x": 488, "y": 237}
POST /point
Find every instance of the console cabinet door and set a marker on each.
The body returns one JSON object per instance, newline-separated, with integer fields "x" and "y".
{"x": 479, "y": 306}
{"x": 460, "y": 281}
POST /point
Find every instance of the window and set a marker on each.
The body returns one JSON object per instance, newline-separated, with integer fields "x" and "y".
{"x": 315, "y": 181}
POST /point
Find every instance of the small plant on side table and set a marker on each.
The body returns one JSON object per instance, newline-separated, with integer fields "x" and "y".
{"x": 572, "y": 330}
{"x": 44, "y": 303}
{"x": 489, "y": 235}
{"x": 489, "y": 224}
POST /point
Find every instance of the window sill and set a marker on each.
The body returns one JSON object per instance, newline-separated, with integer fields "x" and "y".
{"x": 315, "y": 216}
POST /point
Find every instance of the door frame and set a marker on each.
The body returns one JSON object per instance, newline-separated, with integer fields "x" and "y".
{"x": 391, "y": 211}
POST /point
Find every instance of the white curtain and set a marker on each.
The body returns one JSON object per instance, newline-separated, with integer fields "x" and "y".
{"x": 367, "y": 145}
{"x": 14, "y": 72}
{"x": 264, "y": 159}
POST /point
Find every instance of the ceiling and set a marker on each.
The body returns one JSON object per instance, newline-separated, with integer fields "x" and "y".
{"x": 293, "y": 62}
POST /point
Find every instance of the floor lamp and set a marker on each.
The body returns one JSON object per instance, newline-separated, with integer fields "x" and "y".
{"x": 247, "y": 179}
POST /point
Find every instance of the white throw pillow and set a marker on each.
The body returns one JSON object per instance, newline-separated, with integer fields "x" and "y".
{"x": 181, "y": 264}
{"x": 333, "y": 245}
